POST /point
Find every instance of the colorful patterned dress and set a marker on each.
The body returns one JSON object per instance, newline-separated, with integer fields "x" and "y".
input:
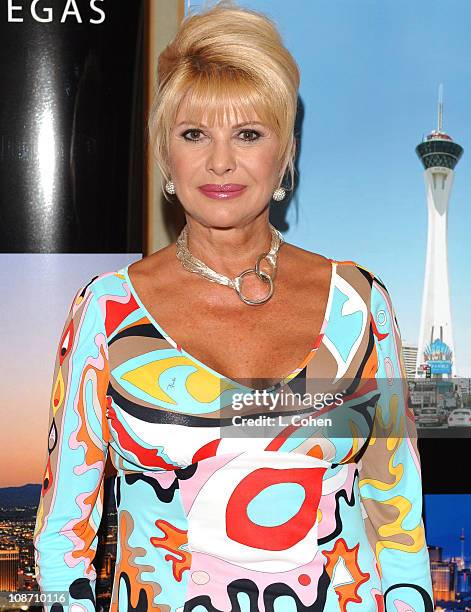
{"x": 293, "y": 520}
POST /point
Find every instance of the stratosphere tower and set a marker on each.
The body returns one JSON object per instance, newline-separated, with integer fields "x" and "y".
{"x": 439, "y": 155}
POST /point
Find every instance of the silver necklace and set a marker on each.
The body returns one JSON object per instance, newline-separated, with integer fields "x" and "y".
{"x": 193, "y": 264}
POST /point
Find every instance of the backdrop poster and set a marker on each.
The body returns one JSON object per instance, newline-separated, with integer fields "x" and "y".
{"x": 377, "y": 80}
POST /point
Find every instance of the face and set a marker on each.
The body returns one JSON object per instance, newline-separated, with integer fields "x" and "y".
{"x": 226, "y": 173}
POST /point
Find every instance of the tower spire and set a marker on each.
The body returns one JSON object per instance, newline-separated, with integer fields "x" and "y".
{"x": 440, "y": 108}
{"x": 462, "y": 547}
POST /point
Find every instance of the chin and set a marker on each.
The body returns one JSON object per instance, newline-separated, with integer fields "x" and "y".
{"x": 220, "y": 223}
{"x": 219, "y": 216}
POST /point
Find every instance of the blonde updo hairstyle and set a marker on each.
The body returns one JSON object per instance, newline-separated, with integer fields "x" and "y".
{"x": 226, "y": 57}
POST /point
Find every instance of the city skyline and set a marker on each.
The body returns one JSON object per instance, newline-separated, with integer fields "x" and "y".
{"x": 446, "y": 533}
{"x": 17, "y": 562}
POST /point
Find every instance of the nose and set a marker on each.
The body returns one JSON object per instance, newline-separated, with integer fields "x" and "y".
{"x": 221, "y": 157}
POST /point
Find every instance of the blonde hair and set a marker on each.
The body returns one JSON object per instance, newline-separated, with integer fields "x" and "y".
{"x": 226, "y": 57}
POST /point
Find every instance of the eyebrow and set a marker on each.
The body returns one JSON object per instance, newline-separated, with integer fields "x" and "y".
{"x": 205, "y": 126}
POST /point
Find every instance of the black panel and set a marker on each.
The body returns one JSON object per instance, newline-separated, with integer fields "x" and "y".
{"x": 71, "y": 121}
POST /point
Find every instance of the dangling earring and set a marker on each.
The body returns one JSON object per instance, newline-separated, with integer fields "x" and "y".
{"x": 170, "y": 187}
{"x": 279, "y": 194}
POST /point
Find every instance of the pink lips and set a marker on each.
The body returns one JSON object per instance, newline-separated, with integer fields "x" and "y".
{"x": 229, "y": 190}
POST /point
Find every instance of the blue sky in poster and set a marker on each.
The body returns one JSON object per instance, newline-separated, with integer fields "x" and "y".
{"x": 370, "y": 72}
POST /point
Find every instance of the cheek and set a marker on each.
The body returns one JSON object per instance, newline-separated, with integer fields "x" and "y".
{"x": 263, "y": 165}
{"x": 183, "y": 162}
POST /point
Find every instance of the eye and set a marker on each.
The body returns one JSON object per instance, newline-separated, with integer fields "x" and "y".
{"x": 257, "y": 135}
{"x": 192, "y": 131}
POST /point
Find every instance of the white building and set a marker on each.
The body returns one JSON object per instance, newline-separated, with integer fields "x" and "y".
{"x": 409, "y": 353}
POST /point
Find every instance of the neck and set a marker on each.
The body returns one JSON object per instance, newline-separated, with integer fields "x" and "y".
{"x": 229, "y": 250}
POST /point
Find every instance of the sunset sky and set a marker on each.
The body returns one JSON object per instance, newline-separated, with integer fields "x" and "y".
{"x": 37, "y": 291}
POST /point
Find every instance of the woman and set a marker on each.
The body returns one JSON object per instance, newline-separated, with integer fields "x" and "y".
{"x": 152, "y": 355}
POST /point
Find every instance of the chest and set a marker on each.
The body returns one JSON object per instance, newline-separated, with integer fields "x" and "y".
{"x": 260, "y": 345}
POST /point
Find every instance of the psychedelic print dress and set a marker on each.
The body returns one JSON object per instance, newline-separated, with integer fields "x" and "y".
{"x": 288, "y": 521}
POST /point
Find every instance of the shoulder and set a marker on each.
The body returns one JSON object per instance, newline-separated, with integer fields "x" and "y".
{"x": 377, "y": 303}
{"x": 359, "y": 279}
{"x": 348, "y": 269}
{"x": 378, "y": 287}
{"x": 313, "y": 260}
{"x": 97, "y": 297}
{"x": 103, "y": 284}
{"x": 356, "y": 281}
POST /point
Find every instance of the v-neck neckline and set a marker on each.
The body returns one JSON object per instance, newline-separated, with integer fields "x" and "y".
{"x": 291, "y": 376}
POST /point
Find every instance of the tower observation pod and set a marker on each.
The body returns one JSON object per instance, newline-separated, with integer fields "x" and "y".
{"x": 439, "y": 155}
